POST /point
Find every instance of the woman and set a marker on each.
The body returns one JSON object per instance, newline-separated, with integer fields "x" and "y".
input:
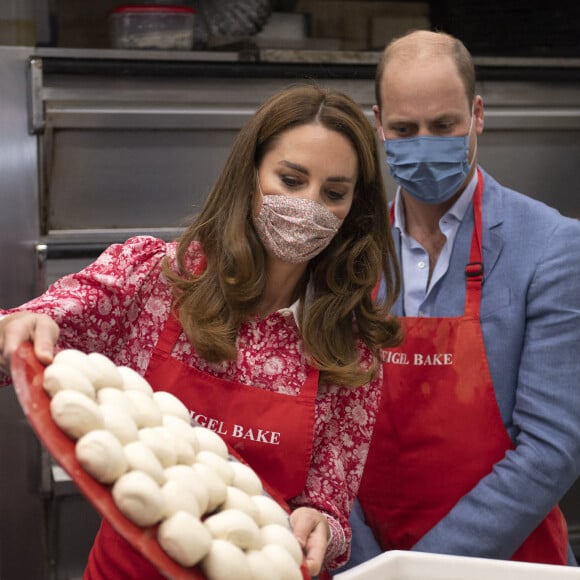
{"x": 259, "y": 318}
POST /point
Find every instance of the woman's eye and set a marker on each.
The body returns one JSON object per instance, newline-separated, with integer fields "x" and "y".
{"x": 336, "y": 195}
{"x": 290, "y": 181}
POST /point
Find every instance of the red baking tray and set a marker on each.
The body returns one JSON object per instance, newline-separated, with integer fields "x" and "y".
{"x": 27, "y": 374}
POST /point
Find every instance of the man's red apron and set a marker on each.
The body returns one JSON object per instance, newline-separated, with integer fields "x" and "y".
{"x": 439, "y": 429}
{"x": 272, "y": 432}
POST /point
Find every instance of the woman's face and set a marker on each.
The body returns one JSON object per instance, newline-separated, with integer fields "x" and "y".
{"x": 311, "y": 162}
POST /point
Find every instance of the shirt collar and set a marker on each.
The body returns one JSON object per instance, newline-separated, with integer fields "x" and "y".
{"x": 457, "y": 210}
{"x": 293, "y": 308}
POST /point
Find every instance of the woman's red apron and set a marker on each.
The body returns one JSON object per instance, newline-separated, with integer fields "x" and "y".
{"x": 272, "y": 432}
{"x": 439, "y": 429}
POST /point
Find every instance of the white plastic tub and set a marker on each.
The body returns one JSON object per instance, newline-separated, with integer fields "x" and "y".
{"x": 403, "y": 565}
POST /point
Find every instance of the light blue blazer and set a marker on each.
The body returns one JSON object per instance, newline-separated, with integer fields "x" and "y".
{"x": 530, "y": 317}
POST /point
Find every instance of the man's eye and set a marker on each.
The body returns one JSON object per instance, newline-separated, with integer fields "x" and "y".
{"x": 401, "y": 131}
{"x": 445, "y": 127}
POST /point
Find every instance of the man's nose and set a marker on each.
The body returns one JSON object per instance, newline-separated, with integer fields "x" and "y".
{"x": 424, "y": 131}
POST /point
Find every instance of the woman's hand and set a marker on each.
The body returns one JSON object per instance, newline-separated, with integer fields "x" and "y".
{"x": 20, "y": 327}
{"x": 312, "y": 530}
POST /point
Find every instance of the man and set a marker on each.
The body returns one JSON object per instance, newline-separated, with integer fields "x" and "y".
{"x": 479, "y": 433}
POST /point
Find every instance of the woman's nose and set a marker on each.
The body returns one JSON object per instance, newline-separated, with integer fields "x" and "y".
{"x": 312, "y": 193}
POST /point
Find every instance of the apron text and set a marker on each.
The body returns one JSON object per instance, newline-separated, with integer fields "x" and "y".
{"x": 418, "y": 359}
{"x": 237, "y": 431}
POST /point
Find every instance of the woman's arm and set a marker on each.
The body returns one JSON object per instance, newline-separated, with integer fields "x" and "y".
{"x": 344, "y": 421}
{"x": 94, "y": 308}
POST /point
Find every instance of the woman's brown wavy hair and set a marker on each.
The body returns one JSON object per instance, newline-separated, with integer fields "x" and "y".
{"x": 339, "y": 307}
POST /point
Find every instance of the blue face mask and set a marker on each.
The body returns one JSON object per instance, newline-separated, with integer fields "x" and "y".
{"x": 431, "y": 169}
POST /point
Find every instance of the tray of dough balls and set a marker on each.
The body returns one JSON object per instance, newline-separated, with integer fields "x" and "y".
{"x": 174, "y": 490}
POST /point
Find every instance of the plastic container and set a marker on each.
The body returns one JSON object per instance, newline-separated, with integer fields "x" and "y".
{"x": 402, "y": 565}
{"x": 152, "y": 26}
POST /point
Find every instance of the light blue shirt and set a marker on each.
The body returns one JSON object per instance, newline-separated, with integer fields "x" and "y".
{"x": 414, "y": 258}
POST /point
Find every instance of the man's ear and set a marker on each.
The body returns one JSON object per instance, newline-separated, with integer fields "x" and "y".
{"x": 378, "y": 122}
{"x": 478, "y": 114}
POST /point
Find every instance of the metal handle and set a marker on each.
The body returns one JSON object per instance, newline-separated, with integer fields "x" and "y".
{"x": 41, "y": 252}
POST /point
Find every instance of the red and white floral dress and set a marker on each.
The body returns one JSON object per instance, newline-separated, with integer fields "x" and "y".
{"x": 119, "y": 305}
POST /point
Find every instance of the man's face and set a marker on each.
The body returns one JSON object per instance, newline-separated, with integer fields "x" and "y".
{"x": 426, "y": 97}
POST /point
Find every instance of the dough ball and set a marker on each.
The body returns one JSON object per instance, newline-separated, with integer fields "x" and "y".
{"x": 214, "y": 484}
{"x": 184, "y": 538}
{"x": 147, "y": 413}
{"x": 116, "y": 398}
{"x": 283, "y": 536}
{"x": 140, "y": 457}
{"x": 239, "y": 500}
{"x": 211, "y": 441}
{"x": 270, "y": 511}
{"x": 133, "y": 381}
{"x": 101, "y": 455}
{"x": 236, "y": 527}
{"x": 171, "y": 405}
{"x": 225, "y": 561}
{"x": 61, "y": 376}
{"x": 162, "y": 442}
{"x": 108, "y": 374}
{"x": 178, "y": 496}
{"x": 189, "y": 477}
{"x": 261, "y": 566}
{"x": 181, "y": 430}
{"x": 185, "y": 452}
{"x": 282, "y": 562}
{"x": 246, "y": 479}
{"x": 75, "y": 413}
{"x": 222, "y": 466}
{"x": 79, "y": 360}
{"x": 138, "y": 498}
{"x": 119, "y": 423}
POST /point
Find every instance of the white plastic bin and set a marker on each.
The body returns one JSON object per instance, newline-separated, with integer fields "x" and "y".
{"x": 403, "y": 565}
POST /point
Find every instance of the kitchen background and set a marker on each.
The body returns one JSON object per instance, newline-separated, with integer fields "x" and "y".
{"x": 89, "y": 128}
{"x": 508, "y": 28}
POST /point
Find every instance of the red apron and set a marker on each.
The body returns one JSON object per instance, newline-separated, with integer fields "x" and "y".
{"x": 439, "y": 429}
{"x": 272, "y": 432}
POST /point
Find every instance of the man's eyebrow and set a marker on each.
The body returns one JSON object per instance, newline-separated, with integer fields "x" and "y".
{"x": 446, "y": 117}
{"x": 393, "y": 122}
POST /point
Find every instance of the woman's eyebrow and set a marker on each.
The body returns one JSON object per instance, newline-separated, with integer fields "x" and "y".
{"x": 295, "y": 166}
{"x": 304, "y": 170}
{"x": 341, "y": 179}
